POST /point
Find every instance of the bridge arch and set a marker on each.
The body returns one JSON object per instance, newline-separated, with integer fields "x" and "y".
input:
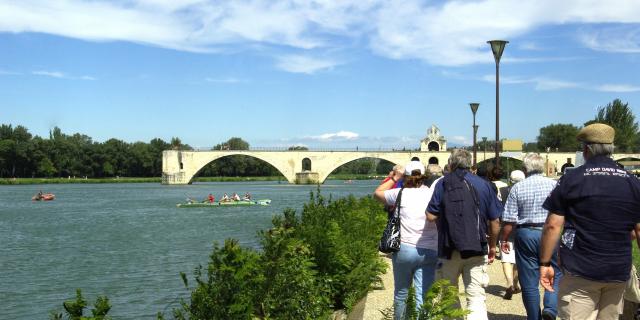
{"x": 328, "y": 170}
{"x": 204, "y": 161}
{"x": 433, "y": 146}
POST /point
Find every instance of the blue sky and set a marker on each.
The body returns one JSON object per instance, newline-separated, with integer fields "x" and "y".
{"x": 324, "y": 74}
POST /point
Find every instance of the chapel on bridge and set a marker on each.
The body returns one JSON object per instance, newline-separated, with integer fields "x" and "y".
{"x": 434, "y": 141}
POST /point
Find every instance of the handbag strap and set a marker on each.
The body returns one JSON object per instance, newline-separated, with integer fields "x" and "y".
{"x": 397, "y": 205}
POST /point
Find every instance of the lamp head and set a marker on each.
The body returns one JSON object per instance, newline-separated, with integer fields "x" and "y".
{"x": 474, "y": 107}
{"x": 497, "y": 47}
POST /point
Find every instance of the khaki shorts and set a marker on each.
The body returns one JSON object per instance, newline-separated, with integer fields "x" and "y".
{"x": 582, "y": 299}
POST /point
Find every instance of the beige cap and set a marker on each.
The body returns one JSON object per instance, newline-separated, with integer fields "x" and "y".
{"x": 596, "y": 133}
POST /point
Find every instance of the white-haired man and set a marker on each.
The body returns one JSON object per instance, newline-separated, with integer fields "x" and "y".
{"x": 523, "y": 210}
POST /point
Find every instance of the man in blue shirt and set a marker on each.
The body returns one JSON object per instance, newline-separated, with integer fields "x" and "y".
{"x": 524, "y": 211}
{"x": 465, "y": 206}
{"x": 595, "y": 207}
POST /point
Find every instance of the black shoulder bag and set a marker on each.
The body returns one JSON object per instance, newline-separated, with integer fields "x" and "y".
{"x": 390, "y": 240}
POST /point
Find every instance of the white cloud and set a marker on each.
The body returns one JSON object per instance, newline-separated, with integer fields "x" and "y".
{"x": 60, "y": 75}
{"x": 53, "y": 74}
{"x": 617, "y": 88}
{"x": 544, "y": 84}
{"x": 622, "y": 39}
{"x": 340, "y": 135}
{"x": 448, "y": 33}
{"x": 455, "y": 32}
{"x": 529, "y": 45}
{"x": 304, "y": 64}
{"x": 540, "y": 83}
{"x": 460, "y": 140}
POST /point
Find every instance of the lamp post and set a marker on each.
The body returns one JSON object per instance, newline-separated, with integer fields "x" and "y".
{"x": 497, "y": 47}
{"x": 474, "y": 108}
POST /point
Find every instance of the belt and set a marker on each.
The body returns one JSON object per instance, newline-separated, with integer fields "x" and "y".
{"x": 530, "y": 225}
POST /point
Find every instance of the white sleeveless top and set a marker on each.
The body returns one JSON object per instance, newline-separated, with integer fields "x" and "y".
{"x": 415, "y": 229}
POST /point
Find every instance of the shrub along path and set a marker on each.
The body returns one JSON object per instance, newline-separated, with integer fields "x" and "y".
{"x": 498, "y": 308}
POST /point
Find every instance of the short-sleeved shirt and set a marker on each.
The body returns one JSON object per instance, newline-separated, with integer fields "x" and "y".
{"x": 524, "y": 202}
{"x": 601, "y": 205}
{"x": 490, "y": 206}
{"x": 415, "y": 230}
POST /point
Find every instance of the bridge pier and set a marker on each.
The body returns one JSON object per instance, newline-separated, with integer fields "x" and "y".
{"x": 307, "y": 177}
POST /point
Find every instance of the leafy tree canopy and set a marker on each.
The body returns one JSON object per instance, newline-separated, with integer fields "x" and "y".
{"x": 559, "y": 136}
{"x": 618, "y": 115}
{"x": 234, "y": 143}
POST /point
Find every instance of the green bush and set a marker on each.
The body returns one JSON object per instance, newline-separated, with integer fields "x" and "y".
{"x": 327, "y": 259}
{"x": 292, "y": 289}
{"x": 343, "y": 236}
{"x": 229, "y": 289}
{"x": 75, "y": 308}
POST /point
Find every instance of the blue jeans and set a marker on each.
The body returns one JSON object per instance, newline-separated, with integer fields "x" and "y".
{"x": 527, "y": 246}
{"x": 412, "y": 264}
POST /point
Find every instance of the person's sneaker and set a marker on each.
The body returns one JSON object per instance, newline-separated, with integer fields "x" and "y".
{"x": 508, "y": 294}
{"x": 546, "y": 315}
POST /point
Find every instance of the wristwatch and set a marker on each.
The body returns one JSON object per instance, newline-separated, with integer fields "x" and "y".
{"x": 544, "y": 264}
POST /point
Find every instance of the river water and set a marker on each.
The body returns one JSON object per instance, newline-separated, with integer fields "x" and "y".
{"x": 126, "y": 241}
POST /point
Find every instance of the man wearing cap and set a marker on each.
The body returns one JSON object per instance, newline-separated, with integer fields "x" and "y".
{"x": 595, "y": 207}
{"x": 467, "y": 211}
{"x": 524, "y": 212}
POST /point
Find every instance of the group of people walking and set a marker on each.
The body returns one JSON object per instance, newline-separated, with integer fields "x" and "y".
{"x": 572, "y": 236}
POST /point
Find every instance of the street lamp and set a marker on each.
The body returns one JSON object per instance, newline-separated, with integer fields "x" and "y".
{"x": 474, "y": 108}
{"x": 497, "y": 47}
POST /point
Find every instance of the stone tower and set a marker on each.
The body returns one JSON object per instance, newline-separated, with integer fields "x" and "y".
{"x": 434, "y": 141}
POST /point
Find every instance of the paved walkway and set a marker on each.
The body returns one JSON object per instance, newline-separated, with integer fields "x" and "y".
{"x": 498, "y": 308}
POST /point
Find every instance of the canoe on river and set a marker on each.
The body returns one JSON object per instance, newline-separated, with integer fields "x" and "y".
{"x": 43, "y": 197}
{"x": 262, "y": 202}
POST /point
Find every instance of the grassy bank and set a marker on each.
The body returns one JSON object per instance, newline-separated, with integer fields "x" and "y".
{"x": 354, "y": 176}
{"x": 16, "y": 181}
{"x": 13, "y": 181}
{"x": 238, "y": 179}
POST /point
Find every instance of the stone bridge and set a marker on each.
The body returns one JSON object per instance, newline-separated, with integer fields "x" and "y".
{"x": 180, "y": 167}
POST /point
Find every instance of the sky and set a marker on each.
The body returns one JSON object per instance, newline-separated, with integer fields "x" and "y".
{"x": 322, "y": 74}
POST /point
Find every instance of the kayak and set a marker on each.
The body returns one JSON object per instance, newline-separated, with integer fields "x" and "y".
{"x": 44, "y": 197}
{"x": 263, "y": 202}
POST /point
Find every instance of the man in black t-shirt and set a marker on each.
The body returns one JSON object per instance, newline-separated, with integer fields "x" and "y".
{"x": 595, "y": 207}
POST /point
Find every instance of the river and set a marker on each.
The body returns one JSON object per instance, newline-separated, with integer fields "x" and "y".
{"x": 126, "y": 241}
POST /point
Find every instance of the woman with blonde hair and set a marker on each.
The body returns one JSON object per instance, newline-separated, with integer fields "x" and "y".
{"x": 418, "y": 255}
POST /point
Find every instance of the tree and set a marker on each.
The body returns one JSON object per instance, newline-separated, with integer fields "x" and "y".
{"x": 559, "y": 136}
{"x": 530, "y": 147}
{"x": 234, "y": 143}
{"x": 621, "y": 118}
{"x": 298, "y": 148}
